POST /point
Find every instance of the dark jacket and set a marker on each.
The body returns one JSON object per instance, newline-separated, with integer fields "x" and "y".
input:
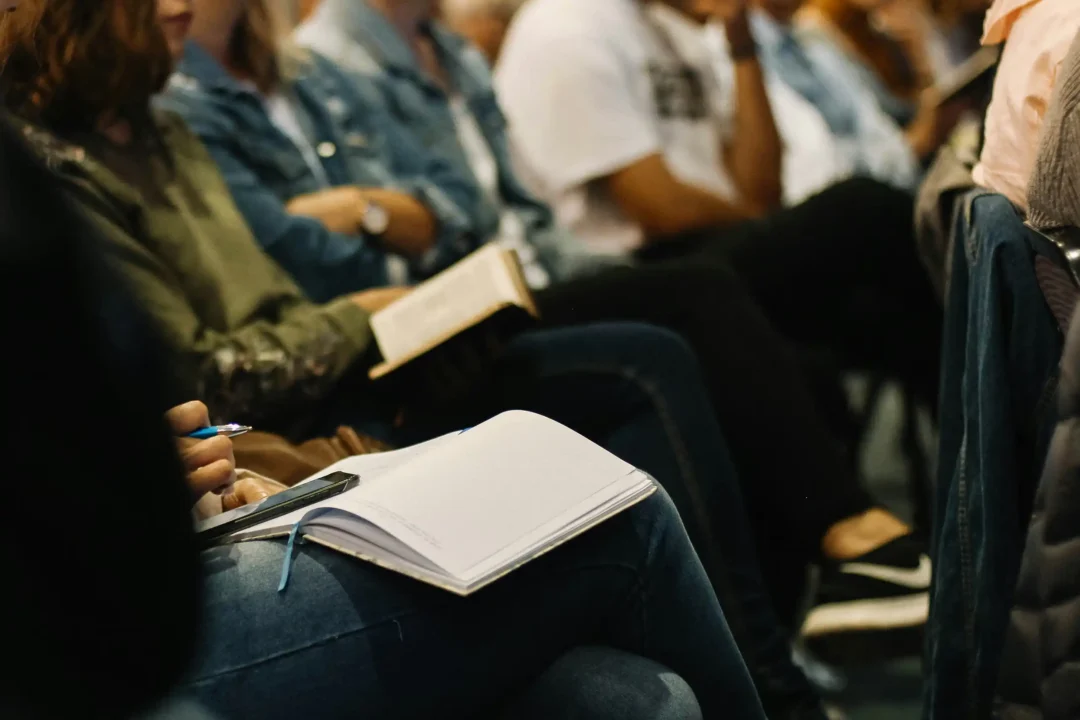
{"x": 99, "y": 573}
{"x": 1040, "y": 670}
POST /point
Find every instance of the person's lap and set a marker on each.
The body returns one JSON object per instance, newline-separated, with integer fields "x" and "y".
{"x": 637, "y": 391}
{"x": 760, "y": 398}
{"x": 347, "y": 639}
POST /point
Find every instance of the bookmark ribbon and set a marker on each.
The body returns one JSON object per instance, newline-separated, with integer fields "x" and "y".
{"x": 286, "y": 567}
{"x": 290, "y": 547}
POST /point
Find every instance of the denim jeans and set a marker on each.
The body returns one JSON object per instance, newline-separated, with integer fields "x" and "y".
{"x": 598, "y": 683}
{"x": 347, "y": 639}
{"x": 1001, "y": 350}
{"x": 637, "y": 391}
{"x": 588, "y": 683}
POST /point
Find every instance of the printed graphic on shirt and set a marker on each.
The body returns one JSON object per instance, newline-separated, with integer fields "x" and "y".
{"x": 678, "y": 92}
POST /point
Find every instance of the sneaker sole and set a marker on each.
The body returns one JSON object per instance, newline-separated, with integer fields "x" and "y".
{"x": 867, "y": 615}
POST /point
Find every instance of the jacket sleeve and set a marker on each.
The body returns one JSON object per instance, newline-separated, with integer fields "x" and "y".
{"x": 262, "y": 368}
{"x": 325, "y": 264}
{"x": 450, "y": 196}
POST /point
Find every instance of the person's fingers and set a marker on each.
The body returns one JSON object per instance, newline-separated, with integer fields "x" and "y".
{"x": 207, "y": 452}
{"x": 212, "y": 477}
{"x": 247, "y": 491}
{"x": 189, "y": 417}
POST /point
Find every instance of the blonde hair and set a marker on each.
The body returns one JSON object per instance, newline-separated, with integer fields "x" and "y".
{"x": 262, "y": 44}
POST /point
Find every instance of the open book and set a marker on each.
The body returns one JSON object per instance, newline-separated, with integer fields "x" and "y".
{"x": 477, "y": 289}
{"x": 463, "y": 510}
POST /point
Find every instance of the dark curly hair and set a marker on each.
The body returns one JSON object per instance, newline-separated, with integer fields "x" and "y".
{"x": 87, "y": 60}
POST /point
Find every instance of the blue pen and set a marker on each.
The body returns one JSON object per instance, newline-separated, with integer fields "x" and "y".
{"x": 230, "y": 430}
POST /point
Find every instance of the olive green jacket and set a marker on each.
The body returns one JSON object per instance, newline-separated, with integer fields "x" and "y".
{"x": 253, "y": 345}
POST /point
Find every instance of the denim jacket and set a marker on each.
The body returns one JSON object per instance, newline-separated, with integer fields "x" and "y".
{"x": 356, "y": 146}
{"x": 360, "y": 39}
{"x": 1001, "y": 350}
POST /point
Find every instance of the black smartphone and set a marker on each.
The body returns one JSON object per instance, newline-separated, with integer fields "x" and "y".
{"x": 213, "y": 529}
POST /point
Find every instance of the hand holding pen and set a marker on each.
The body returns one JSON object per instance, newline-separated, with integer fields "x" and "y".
{"x": 229, "y": 430}
{"x": 205, "y": 450}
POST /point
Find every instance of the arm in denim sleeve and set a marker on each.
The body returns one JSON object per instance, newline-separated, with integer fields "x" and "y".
{"x": 261, "y": 369}
{"x": 324, "y": 264}
{"x": 446, "y": 193}
{"x": 451, "y": 197}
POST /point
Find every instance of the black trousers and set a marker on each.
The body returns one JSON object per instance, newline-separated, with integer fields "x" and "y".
{"x": 840, "y": 271}
{"x": 795, "y": 476}
{"x": 750, "y": 299}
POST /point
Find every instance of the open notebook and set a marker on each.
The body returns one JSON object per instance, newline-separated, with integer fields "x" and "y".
{"x": 480, "y": 288}
{"x": 463, "y": 510}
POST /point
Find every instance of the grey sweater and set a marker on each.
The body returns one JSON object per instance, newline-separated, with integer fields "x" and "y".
{"x": 1054, "y": 189}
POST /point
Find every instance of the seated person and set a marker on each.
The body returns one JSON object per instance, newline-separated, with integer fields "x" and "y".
{"x": 129, "y": 602}
{"x": 830, "y": 122}
{"x": 704, "y": 305}
{"x": 693, "y": 175}
{"x": 212, "y": 478}
{"x": 1037, "y": 36}
{"x": 262, "y": 352}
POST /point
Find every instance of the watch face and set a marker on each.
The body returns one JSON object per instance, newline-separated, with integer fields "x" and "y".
{"x": 376, "y": 218}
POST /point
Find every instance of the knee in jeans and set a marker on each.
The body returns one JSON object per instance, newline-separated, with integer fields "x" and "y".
{"x": 606, "y": 684}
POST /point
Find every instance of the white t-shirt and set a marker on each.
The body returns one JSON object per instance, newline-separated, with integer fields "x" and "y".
{"x": 485, "y": 167}
{"x": 592, "y": 86}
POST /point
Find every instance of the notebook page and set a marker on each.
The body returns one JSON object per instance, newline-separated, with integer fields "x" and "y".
{"x": 368, "y": 467}
{"x": 491, "y": 488}
{"x": 447, "y": 303}
{"x": 623, "y": 492}
{"x": 374, "y": 464}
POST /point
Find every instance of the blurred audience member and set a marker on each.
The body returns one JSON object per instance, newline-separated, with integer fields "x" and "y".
{"x": 647, "y": 156}
{"x": 1037, "y": 35}
{"x": 867, "y": 140}
{"x": 890, "y": 41}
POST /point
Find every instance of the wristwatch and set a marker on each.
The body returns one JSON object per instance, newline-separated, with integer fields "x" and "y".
{"x": 374, "y": 219}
